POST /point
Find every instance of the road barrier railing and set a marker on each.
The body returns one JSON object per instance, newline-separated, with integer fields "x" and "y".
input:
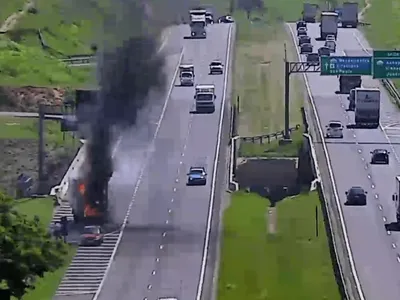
{"x": 79, "y": 60}
{"x": 267, "y": 138}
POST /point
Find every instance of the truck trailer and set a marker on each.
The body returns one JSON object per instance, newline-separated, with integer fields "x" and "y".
{"x": 349, "y": 16}
{"x": 329, "y": 24}
{"x": 367, "y": 107}
{"x": 310, "y": 12}
{"x": 396, "y": 199}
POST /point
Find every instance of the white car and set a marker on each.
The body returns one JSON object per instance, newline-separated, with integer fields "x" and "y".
{"x": 334, "y": 129}
{"x": 331, "y": 45}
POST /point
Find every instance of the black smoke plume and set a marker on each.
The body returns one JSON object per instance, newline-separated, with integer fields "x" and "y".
{"x": 129, "y": 66}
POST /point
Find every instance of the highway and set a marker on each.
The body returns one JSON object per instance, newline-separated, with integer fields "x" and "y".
{"x": 375, "y": 249}
{"x": 130, "y": 152}
{"x": 161, "y": 251}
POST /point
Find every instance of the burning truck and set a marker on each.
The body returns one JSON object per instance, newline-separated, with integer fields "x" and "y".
{"x": 90, "y": 208}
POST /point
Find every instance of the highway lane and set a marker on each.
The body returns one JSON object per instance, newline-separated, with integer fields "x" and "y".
{"x": 161, "y": 250}
{"x": 177, "y": 274}
{"x": 131, "y": 149}
{"x": 372, "y": 246}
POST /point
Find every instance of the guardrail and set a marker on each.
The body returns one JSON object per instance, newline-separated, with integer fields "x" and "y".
{"x": 393, "y": 91}
{"x": 345, "y": 267}
{"x": 80, "y": 60}
{"x": 261, "y": 138}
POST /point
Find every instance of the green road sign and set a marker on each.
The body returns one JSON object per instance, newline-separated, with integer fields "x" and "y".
{"x": 346, "y": 65}
{"x": 386, "y": 64}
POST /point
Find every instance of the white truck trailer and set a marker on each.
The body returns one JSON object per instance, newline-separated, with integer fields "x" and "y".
{"x": 329, "y": 24}
{"x": 367, "y": 109}
{"x": 396, "y": 199}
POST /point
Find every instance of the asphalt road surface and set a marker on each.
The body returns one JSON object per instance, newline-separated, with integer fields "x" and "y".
{"x": 160, "y": 254}
{"x": 374, "y": 248}
{"x": 131, "y": 148}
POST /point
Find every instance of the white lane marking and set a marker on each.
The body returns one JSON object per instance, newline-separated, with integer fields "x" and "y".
{"x": 335, "y": 191}
{"x": 151, "y": 146}
{"x": 380, "y": 124}
{"x": 213, "y": 183}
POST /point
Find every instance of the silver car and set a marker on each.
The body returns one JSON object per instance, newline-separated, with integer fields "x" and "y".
{"x": 334, "y": 129}
{"x": 187, "y": 79}
{"x": 331, "y": 45}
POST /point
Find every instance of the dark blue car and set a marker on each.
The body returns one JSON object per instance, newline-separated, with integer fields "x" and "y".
{"x": 197, "y": 176}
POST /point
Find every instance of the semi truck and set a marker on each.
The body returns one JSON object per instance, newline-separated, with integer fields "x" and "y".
{"x": 349, "y": 16}
{"x": 329, "y": 24}
{"x": 396, "y": 199}
{"x": 367, "y": 107}
{"x": 205, "y": 98}
{"x": 309, "y": 12}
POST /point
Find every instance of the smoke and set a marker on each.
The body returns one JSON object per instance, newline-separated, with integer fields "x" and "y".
{"x": 129, "y": 67}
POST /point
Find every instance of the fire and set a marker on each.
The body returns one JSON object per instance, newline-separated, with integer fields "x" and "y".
{"x": 82, "y": 188}
{"x": 90, "y": 211}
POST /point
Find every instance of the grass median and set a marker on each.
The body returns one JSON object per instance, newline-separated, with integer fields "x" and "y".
{"x": 289, "y": 263}
{"x": 259, "y": 82}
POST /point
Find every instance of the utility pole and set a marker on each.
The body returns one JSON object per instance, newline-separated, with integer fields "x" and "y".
{"x": 41, "y": 148}
{"x": 287, "y": 97}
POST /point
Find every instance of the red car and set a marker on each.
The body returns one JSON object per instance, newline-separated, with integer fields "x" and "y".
{"x": 92, "y": 236}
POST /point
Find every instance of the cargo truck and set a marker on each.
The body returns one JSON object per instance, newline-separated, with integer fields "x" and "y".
{"x": 349, "y": 16}
{"x": 396, "y": 199}
{"x": 329, "y": 24}
{"x": 309, "y": 12}
{"x": 367, "y": 107}
{"x": 198, "y": 23}
{"x": 205, "y": 98}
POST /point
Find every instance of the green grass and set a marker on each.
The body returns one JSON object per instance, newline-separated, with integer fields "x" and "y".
{"x": 27, "y": 128}
{"x": 9, "y": 7}
{"x": 382, "y": 15}
{"x": 292, "y": 264}
{"x": 23, "y": 66}
{"x": 45, "y": 287}
{"x": 259, "y": 81}
{"x": 273, "y": 149}
{"x": 65, "y": 28}
{"x": 67, "y": 31}
{"x": 41, "y": 207}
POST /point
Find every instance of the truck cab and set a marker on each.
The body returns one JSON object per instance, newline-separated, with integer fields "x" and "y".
{"x": 347, "y": 83}
{"x": 186, "y": 75}
{"x": 198, "y": 23}
{"x": 352, "y": 100}
{"x": 205, "y": 98}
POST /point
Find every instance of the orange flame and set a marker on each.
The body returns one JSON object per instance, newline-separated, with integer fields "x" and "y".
{"x": 82, "y": 188}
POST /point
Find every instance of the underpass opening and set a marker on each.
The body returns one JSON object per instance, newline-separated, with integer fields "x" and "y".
{"x": 272, "y": 178}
